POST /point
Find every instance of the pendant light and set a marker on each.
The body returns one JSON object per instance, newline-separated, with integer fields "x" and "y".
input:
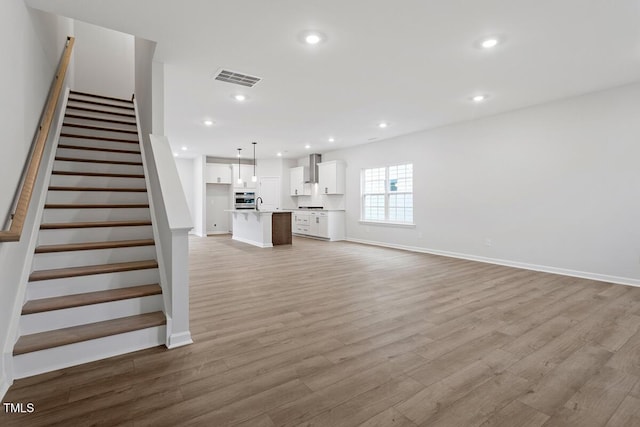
{"x": 239, "y": 178}
{"x": 254, "y": 178}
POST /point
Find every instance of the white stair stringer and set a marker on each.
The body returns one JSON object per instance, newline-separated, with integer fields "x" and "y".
{"x": 38, "y": 362}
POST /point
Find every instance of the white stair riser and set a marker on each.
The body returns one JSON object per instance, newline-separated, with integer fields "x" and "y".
{"x": 89, "y": 121}
{"x": 98, "y": 155}
{"x": 58, "y": 319}
{"x": 96, "y": 167}
{"x": 85, "y": 235}
{"x": 102, "y": 108}
{"x": 97, "y": 282}
{"x": 73, "y": 130}
{"x": 95, "y": 181}
{"x": 97, "y": 196}
{"x": 100, "y": 115}
{"x": 48, "y": 261}
{"x": 95, "y": 143}
{"x": 38, "y": 362}
{"x": 106, "y": 214}
{"x": 77, "y": 96}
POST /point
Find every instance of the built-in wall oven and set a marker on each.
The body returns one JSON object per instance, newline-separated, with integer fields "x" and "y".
{"x": 245, "y": 200}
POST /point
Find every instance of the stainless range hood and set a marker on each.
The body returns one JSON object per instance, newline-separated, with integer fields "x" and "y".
{"x": 314, "y": 159}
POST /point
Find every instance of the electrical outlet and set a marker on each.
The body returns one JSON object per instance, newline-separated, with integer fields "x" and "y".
{"x": 488, "y": 242}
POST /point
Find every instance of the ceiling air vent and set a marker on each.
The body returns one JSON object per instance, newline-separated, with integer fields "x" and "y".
{"x": 237, "y": 78}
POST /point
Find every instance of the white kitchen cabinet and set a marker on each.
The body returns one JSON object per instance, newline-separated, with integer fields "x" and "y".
{"x": 217, "y": 173}
{"x": 297, "y": 177}
{"x": 331, "y": 177}
{"x": 246, "y": 172}
{"x": 324, "y": 224}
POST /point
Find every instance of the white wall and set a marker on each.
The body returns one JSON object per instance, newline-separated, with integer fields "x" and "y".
{"x": 555, "y": 187}
{"x": 199, "y": 196}
{"x": 185, "y": 171}
{"x": 104, "y": 61}
{"x": 32, "y": 43}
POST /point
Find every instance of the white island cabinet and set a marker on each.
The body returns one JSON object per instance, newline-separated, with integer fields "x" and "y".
{"x": 261, "y": 228}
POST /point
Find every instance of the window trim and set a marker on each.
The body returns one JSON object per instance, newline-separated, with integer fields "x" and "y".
{"x": 386, "y": 196}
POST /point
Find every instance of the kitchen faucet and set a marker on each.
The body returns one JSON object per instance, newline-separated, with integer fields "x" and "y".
{"x": 259, "y": 199}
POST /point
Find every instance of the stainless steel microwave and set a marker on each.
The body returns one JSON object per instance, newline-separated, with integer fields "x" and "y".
{"x": 245, "y": 200}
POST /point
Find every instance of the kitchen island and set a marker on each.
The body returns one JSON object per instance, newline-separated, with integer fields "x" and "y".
{"x": 261, "y": 228}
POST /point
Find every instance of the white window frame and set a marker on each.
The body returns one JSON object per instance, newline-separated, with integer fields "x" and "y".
{"x": 386, "y": 194}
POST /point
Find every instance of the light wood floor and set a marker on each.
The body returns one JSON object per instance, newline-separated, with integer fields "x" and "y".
{"x": 340, "y": 334}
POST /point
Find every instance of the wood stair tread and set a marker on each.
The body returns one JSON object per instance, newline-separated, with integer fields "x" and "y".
{"x": 103, "y": 104}
{"x": 68, "y": 247}
{"x": 100, "y": 128}
{"x": 93, "y": 110}
{"x": 109, "y": 150}
{"x": 109, "y": 162}
{"x": 99, "y": 119}
{"x": 77, "y": 92}
{"x": 104, "y": 174}
{"x": 96, "y": 206}
{"x": 93, "y": 224}
{"x": 76, "y": 334}
{"x": 89, "y": 270}
{"x": 115, "y": 189}
{"x": 89, "y": 298}
{"x": 99, "y": 138}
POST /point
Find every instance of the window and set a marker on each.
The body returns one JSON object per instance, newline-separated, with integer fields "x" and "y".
{"x": 387, "y": 194}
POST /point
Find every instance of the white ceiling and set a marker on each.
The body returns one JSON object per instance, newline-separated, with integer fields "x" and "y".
{"x": 412, "y": 63}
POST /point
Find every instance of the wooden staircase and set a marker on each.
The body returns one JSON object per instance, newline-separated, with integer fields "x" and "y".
{"x": 94, "y": 288}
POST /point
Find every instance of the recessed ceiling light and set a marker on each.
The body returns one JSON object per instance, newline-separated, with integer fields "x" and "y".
{"x": 479, "y": 98}
{"x": 332, "y": 140}
{"x": 279, "y": 154}
{"x": 312, "y": 37}
{"x": 489, "y": 43}
{"x": 307, "y": 146}
{"x": 208, "y": 122}
{"x": 184, "y": 148}
{"x": 239, "y": 97}
{"x": 382, "y": 125}
{"x": 175, "y": 154}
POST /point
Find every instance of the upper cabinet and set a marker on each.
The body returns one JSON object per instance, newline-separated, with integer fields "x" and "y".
{"x": 246, "y": 172}
{"x": 331, "y": 177}
{"x": 297, "y": 177}
{"x": 217, "y": 173}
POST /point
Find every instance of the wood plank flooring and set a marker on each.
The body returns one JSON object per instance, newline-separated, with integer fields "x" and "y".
{"x": 341, "y": 334}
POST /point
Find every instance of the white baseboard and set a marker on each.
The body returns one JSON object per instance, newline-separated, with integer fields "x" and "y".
{"x": 547, "y": 269}
{"x": 214, "y": 233}
{"x": 179, "y": 340}
{"x": 252, "y": 242}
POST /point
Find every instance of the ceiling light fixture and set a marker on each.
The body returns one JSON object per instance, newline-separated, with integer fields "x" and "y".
{"x": 208, "y": 122}
{"x": 479, "y": 98}
{"x": 382, "y": 125}
{"x": 307, "y": 146}
{"x": 240, "y": 97}
{"x": 279, "y": 154}
{"x": 489, "y": 43}
{"x": 175, "y": 154}
{"x": 332, "y": 139}
{"x": 312, "y": 37}
{"x": 239, "y": 178}
{"x": 254, "y": 178}
{"x": 184, "y": 148}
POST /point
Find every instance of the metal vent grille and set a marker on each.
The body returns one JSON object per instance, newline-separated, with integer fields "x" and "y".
{"x": 237, "y": 78}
